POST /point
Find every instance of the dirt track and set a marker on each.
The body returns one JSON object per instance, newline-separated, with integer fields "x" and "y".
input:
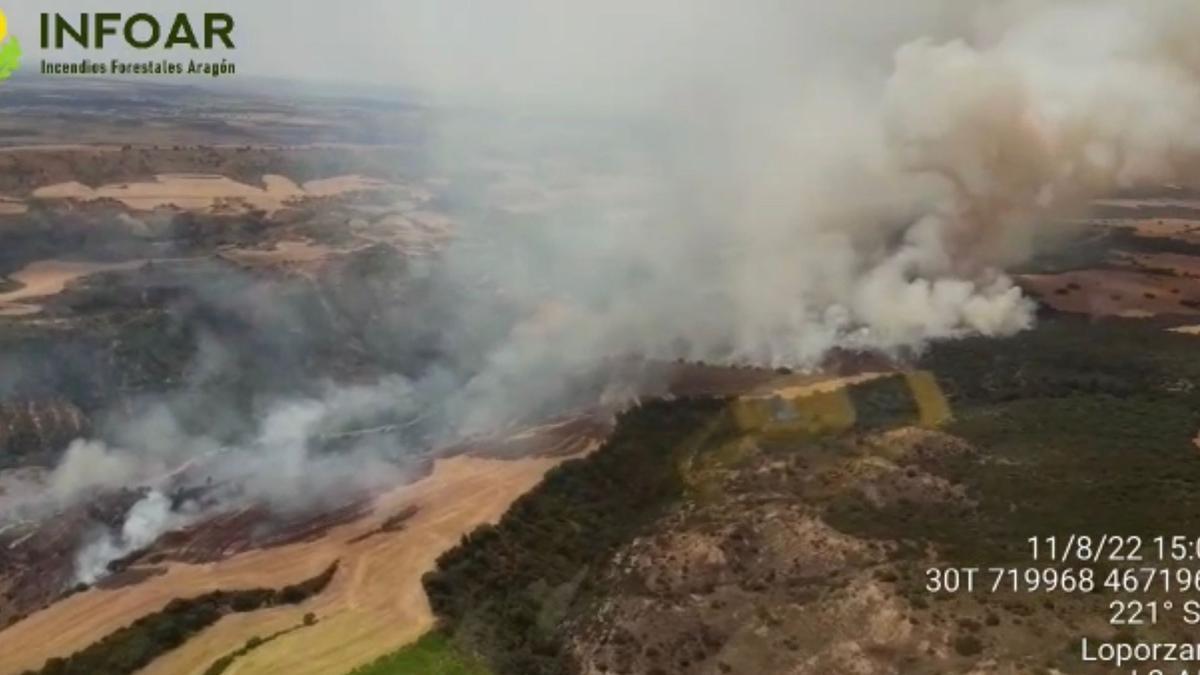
{"x": 374, "y": 605}
{"x": 204, "y": 191}
{"x": 284, "y": 252}
{"x": 794, "y": 386}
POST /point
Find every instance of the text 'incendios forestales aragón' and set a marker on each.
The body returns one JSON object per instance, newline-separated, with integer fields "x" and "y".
{"x": 210, "y": 31}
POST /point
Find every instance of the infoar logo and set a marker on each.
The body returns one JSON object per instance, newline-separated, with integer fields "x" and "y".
{"x": 10, "y": 50}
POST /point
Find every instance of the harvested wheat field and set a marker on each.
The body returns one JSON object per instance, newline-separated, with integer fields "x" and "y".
{"x": 1179, "y": 201}
{"x": 1169, "y": 228}
{"x": 1166, "y": 264}
{"x": 374, "y": 604}
{"x": 795, "y": 386}
{"x": 49, "y": 277}
{"x": 282, "y": 253}
{"x": 199, "y": 192}
{"x": 336, "y": 185}
{"x": 1121, "y": 293}
{"x": 10, "y": 206}
{"x": 1183, "y": 229}
{"x": 413, "y": 232}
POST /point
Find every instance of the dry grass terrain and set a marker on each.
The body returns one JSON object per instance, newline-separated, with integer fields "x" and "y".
{"x": 794, "y": 386}
{"x": 207, "y": 191}
{"x": 282, "y": 253}
{"x": 1160, "y": 276}
{"x": 49, "y": 277}
{"x": 1122, "y": 293}
{"x": 1167, "y": 264}
{"x": 374, "y": 605}
{"x": 1170, "y": 228}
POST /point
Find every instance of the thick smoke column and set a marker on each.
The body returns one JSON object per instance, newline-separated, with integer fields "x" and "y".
{"x": 811, "y": 176}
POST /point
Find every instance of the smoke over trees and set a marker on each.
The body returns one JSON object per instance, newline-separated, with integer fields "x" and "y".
{"x": 751, "y": 184}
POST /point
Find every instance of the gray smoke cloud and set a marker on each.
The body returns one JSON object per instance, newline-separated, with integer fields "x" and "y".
{"x": 754, "y": 183}
{"x": 279, "y": 465}
{"x": 799, "y": 176}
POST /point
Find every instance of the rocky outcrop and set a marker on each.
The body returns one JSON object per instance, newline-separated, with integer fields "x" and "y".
{"x": 752, "y": 578}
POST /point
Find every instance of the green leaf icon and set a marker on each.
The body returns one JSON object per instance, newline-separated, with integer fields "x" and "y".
{"x": 10, "y": 57}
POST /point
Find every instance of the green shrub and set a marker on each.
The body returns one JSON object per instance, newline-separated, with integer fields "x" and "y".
{"x": 131, "y": 648}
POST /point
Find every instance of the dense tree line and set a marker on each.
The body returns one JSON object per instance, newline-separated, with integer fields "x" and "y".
{"x": 1067, "y": 356}
{"x": 883, "y": 402}
{"x": 1077, "y": 424}
{"x": 131, "y": 648}
{"x": 503, "y": 592}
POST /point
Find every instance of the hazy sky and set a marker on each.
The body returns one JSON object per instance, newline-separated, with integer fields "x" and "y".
{"x": 607, "y": 50}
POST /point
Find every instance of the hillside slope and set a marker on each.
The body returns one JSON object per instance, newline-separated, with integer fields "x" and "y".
{"x": 695, "y": 544}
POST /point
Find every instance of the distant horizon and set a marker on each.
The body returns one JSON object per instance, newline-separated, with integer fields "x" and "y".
{"x": 238, "y": 83}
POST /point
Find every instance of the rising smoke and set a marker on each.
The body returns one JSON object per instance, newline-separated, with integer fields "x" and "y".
{"x": 146, "y": 520}
{"x": 752, "y": 183}
{"x": 811, "y": 174}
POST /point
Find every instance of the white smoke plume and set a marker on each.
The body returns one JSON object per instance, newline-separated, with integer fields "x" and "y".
{"x": 146, "y": 520}
{"x": 279, "y": 466}
{"x": 806, "y": 175}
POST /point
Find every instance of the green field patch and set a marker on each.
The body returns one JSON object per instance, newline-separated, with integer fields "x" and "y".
{"x": 433, "y": 654}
